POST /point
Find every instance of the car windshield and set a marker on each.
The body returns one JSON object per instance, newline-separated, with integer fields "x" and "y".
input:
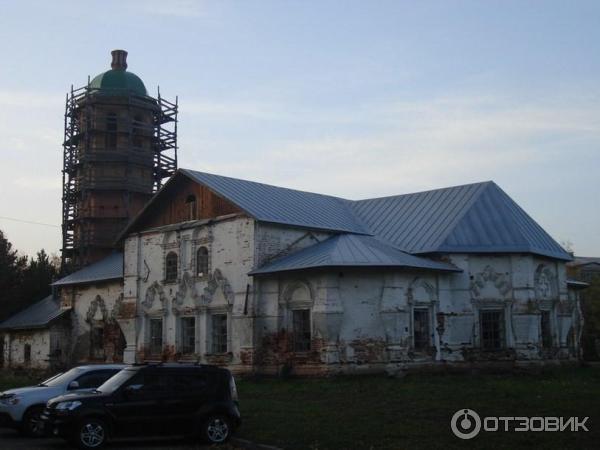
{"x": 45, "y": 382}
{"x": 115, "y": 382}
{"x": 63, "y": 378}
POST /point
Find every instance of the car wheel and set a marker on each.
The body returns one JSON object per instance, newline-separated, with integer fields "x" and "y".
{"x": 217, "y": 429}
{"x": 91, "y": 433}
{"x": 32, "y": 425}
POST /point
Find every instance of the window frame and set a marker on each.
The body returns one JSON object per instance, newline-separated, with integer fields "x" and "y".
{"x": 171, "y": 270}
{"x": 97, "y": 353}
{"x": 301, "y": 330}
{"x": 27, "y": 353}
{"x": 500, "y": 339}
{"x": 219, "y": 339}
{"x": 184, "y": 349}
{"x": 206, "y": 262}
{"x": 423, "y": 343}
{"x": 152, "y": 347}
{"x": 111, "y": 130}
{"x": 546, "y": 337}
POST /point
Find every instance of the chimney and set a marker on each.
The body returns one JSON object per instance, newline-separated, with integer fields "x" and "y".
{"x": 119, "y": 60}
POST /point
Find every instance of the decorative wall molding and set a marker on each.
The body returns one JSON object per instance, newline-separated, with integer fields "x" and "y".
{"x": 291, "y": 287}
{"x": 97, "y": 303}
{"x": 545, "y": 282}
{"x": 155, "y": 290}
{"x": 429, "y": 288}
{"x": 187, "y": 287}
{"x": 499, "y": 280}
{"x": 217, "y": 280}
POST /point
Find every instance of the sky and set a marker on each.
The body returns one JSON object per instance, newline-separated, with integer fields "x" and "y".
{"x": 357, "y": 99}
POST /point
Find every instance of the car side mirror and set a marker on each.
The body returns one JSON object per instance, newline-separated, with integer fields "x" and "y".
{"x": 73, "y": 385}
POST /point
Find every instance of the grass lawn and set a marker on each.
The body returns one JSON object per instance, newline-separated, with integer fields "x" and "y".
{"x": 414, "y": 412}
{"x": 378, "y": 412}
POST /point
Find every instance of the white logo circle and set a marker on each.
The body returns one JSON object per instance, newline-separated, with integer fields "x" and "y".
{"x": 465, "y": 424}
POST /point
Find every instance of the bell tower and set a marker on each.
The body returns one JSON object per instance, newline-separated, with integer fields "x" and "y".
{"x": 119, "y": 145}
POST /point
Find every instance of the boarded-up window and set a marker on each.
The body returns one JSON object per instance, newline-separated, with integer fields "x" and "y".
{"x": 421, "y": 334}
{"x": 156, "y": 336}
{"x": 546, "y": 329}
{"x": 492, "y": 329}
{"x": 219, "y": 333}
{"x": 188, "y": 335}
{"x": 27, "y": 353}
{"x": 171, "y": 267}
{"x": 301, "y": 330}
{"x": 191, "y": 205}
{"x": 202, "y": 262}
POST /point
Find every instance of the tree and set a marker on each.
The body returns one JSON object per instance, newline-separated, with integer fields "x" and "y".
{"x": 22, "y": 282}
{"x": 37, "y": 277}
{"x": 11, "y": 277}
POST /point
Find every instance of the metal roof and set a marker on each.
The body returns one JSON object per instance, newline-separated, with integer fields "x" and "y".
{"x": 584, "y": 260}
{"x": 274, "y": 204}
{"x": 473, "y": 218}
{"x": 351, "y": 250}
{"x": 576, "y": 284}
{"x": 109, "y": 268}
{"x": 38, "y": 315}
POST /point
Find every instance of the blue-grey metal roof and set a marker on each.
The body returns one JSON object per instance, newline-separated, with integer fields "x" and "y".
{"x": 38, "y": 315}
{"x": 473, "y": 218}
{"x": 351, "y": 250}
{"x": 109, "y": 268}
{"x": 274, "y": 204}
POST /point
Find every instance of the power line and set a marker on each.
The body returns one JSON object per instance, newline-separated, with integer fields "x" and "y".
{"x": 29, "y": 222}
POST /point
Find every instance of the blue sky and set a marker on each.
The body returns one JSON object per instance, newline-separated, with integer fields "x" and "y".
{"x": 356, "y": 99}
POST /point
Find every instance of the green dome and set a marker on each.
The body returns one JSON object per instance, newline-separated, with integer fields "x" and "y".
{"x": 118, "y": 82}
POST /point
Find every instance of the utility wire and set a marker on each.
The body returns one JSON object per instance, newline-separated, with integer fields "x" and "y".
{"x": 29, "y": 222}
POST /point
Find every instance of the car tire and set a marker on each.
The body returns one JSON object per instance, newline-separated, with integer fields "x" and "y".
{"x": 31, "y": 425}
{"x": 216, "y": 429}
{"x": 92, "y": 433}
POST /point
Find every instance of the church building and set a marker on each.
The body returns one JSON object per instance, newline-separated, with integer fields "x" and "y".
{"x": 265, "y": 279}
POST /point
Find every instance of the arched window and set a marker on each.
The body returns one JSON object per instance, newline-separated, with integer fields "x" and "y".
{"x": 190, "y": 202}
{"x": 171, "y": 267}
{"x": 137, "y": 132}
{"x": 111, "y": 130}
{"x": 202, "y": 262}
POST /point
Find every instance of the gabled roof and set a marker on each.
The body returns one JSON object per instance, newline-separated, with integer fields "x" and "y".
{"x": 473, "y": 218}
{"x": 274, "y": 204}
{"x": 38, "y": 315}
{"x": 109, "y": 268}
{"x": 351, "y": 250}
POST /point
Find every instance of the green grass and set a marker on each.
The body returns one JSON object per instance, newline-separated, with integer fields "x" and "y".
{"x": 414, "y": 412}
{"x": 378, "y": 412}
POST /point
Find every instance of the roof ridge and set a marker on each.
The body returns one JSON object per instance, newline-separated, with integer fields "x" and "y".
{"x": 183, "y": 169}
{"x": 487, "y": 182}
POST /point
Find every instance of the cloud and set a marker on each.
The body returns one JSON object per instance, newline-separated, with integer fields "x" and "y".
{"x": 399, "y": 146}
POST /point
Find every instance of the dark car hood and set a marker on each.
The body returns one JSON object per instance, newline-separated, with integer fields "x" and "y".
{"x": 76, "y": 396}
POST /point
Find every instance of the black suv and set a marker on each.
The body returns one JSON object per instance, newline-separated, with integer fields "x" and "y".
{"x": 149, "y": 400}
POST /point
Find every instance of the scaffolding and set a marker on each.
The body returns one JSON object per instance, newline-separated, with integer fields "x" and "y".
{"x": 128, "y": 153}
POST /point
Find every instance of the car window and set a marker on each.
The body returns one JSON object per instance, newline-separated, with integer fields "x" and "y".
{"x": 95, "y": 378}
{"x": 64, "y": 378}
{"x": 115, "y": 382}
{"x": 188, "y": 381}
{"x": 148, "y": 382}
